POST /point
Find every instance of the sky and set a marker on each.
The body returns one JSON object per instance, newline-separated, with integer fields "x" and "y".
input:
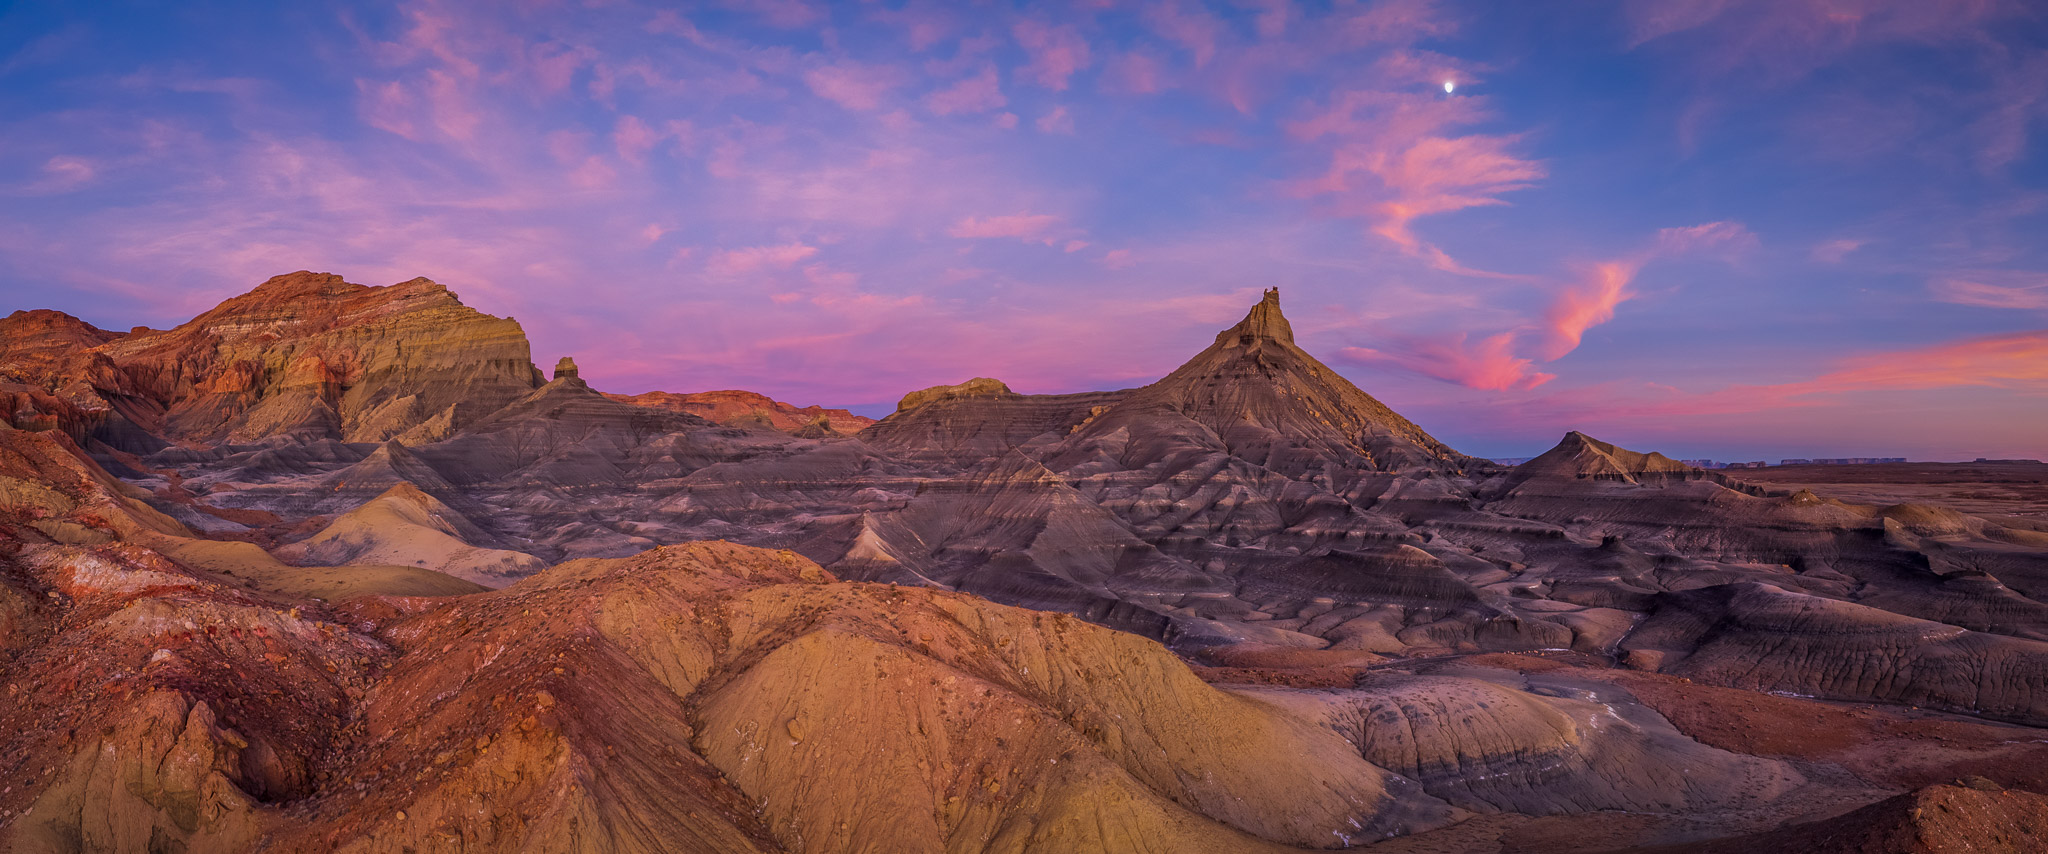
{"x": 1738, "y": 229}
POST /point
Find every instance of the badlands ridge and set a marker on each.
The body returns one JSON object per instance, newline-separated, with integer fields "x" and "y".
{"x": 337, "y": 568}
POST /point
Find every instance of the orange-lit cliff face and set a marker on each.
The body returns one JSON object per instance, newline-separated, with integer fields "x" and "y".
{"x": 309, "y": 355}
{"x": 331, "y": 567}
{"x": 731, "y": 405}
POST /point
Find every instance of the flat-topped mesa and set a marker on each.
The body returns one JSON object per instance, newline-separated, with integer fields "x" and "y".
{"x": 727, "y": 406}
{"x": 1264, "y": 322}
{"x": 977, "y": 387}
{"x": 566, "y": 369}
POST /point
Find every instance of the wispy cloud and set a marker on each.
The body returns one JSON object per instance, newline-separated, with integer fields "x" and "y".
{"x": 1039, "y": 228}
{"x": 755, "y": 259}
{"x": 1592, "y": 300}
{"x": 855, "y": 86}
{"x": 1396, "y": 157}
{"x": 1057, "y": 51}
{"x": 1057, "y": 121}
{"x": 978, "y": 93}
{"x": 1488, "y": 364}
{"x": 1834, "y": 251}
{"x": 1506, "y": 361}
{"x": 1995, "y": 289}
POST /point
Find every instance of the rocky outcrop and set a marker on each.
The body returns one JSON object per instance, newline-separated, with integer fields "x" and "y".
{"x": 703, "y": 698}
{"x": 1968, "y": 815}
{"x": 977, "y": 387}
{"x": 50, "y": 376}
{"x": 1576, "y": 746}
{"x": 308, "y": 355}
{"x": 1583, "y": 457}
{"x": 746, "y": 407}
{"x": 407, "y": 527}
{"x": 968, "y": 429}
{"x": 1755, "y": 636}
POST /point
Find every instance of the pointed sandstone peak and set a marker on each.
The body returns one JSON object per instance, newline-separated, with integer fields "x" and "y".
{"x": 1264, "y": 323}
{"x": 1254, "y": 389}
{"x": 565, "y": 369}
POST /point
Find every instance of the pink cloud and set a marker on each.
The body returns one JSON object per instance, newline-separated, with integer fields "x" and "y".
{"x": 1833, "y": 251}
{"x": 978, "y": 94}
{"x": 1117, "y": 259}
{"x": 827, "y": 277}
{"x": 1651, "y": 19}
{"x": 634, "y": 139}
{"x": 1273, "y": 17}
{"x": 1022, "y": 226}
{"x": 1135, "y": 73}
{"x": 450, "y": 104}
{"x": 1493, "y": 363}
{"x": 1057, "y": 121}
{"x": 1394, "y": 22}
{"x": 553, "y": 65}
{"x": 1191, "y": 27}
{"x": 1057, "y": 52}
{"x": 438, "y": 99}
{"x": 387, "y": 107}
{"x": 2019, "y": 95}
{"x": 1586, "y": 304}
{"x": 787, "y": 14}
{"x": 924, "y": 24}
{"x": 1725, "y": 238}
{"x": 1592, "y": 300}
{"x": 2016, "y": 360}
{"x": 854, "y": 86}
{"x": 1394, "y": 161}
{"x": 669, "y": 22}
{"x": 432, "y": 34}
{"x": 755, "y": 259}
{"x": 1792, "y": 37}
{"x": 64, "y": 172}
{"x": 1995, "y": 289}
{"x": 1489, "y": 365}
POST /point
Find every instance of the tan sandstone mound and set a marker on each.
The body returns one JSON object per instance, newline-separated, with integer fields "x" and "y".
{"x": 697, "y": 698}
{"x": 1536, "y": 745}
{"x": 407, "y": 527}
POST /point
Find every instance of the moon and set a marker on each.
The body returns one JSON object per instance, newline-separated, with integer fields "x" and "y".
{"x": 1449, "y": 85}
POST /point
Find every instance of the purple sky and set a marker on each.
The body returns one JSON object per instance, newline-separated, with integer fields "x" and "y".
{"x": 1742, "y": 229}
